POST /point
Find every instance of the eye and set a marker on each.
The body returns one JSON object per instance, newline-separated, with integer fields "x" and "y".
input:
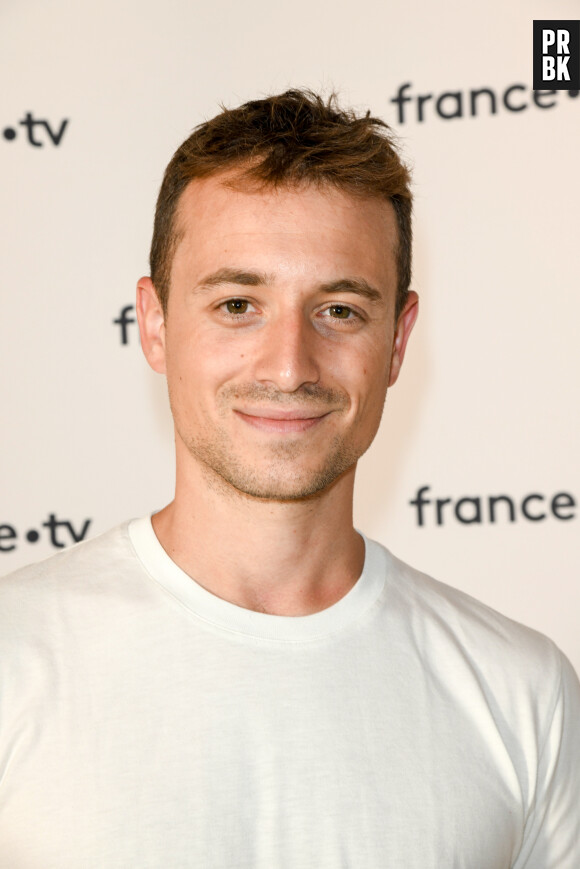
{"x": 237, "y": 306}
{"x": 340, "y": 312}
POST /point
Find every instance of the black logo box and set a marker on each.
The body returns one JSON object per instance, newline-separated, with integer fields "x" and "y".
{"x": 562, "y": 42}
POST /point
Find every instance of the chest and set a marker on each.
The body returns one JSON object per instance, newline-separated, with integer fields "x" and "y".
{"x": 202, "y": 758}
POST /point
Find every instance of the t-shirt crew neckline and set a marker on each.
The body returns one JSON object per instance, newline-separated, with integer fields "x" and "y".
{"x": 233, "y": 618}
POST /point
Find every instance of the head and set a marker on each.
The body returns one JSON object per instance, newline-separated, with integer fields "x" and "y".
{"x": 279, "y": 304}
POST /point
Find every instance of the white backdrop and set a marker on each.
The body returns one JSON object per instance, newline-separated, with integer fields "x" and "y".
{"x": 487, "y": 404}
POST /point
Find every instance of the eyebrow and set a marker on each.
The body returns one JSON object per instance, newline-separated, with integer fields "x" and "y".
{"x": 243, "y": 278}
{"x": 234, "y": 276}
{"x": 353, "y": 285}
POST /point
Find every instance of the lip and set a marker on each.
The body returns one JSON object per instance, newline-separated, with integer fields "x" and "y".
{"x": 280, "y": 421}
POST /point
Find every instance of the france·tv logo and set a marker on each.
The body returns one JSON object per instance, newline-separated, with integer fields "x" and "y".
{"x": 557, "y": 55}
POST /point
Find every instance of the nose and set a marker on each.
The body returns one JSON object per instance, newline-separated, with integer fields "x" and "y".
{"x": 288, "y": 357}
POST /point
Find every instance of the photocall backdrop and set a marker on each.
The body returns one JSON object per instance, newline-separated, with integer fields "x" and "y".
{"x": 96, "y": 99}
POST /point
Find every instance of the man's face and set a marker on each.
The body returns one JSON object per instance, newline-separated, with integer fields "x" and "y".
{"x": 279, "y": 340}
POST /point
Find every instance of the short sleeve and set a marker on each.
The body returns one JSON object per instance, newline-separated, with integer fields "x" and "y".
{"x": 552, "y": 832}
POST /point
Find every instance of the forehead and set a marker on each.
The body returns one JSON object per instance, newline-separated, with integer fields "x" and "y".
{"x": 221, "y": 221}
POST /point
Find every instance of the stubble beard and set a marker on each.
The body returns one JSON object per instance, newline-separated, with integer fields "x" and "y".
{"x": 280, "y": 474}
{"x": 280, "y": 477}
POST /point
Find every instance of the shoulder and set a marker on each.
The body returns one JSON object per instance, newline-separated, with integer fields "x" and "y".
{"x": 74, "y": 561}
{"x": 510, "y": 679}
{"x": 73, "y": 578}
{"x": 74, "y": 601}
{"x": 468, "y": 638}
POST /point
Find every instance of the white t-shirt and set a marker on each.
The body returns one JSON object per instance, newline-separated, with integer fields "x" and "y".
{"x": 148, "y": 724}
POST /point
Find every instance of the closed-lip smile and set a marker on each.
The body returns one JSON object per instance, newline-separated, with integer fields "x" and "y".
{"x": 280, "y": 420}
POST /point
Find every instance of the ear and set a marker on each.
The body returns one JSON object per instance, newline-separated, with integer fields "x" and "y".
{"x": 151, "y": 324}
{"x": 405, "y": 324}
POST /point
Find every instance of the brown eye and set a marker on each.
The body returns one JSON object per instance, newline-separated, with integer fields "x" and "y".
{"x": 237, "y": 306}
{"x": 341, "y": 312}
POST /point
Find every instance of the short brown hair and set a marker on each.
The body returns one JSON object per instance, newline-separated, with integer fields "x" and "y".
{"x": 288, "y": 139}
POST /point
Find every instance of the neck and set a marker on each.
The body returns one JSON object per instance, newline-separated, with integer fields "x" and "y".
{"x": 281, "y": 557}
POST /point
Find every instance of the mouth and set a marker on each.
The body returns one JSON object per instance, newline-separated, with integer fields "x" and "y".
{"x": 279, "y": 421}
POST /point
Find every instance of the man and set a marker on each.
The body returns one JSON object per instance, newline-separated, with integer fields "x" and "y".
{"x": 244, "y": 680}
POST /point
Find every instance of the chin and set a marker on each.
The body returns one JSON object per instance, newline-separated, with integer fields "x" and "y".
{"x": 285, "y": 473}
{"x": 287, "y": 487}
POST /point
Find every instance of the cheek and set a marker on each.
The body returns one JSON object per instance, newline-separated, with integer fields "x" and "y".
{"x": 199, "y": 363}
{"x": 368, "y": 376}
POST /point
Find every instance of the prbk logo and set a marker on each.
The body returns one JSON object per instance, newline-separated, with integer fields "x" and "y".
{"x": 483, "y": 509}
{"x": 557, "y": 55}
{"x": 38, "y": 132}
{"x": 59, "y": 533}
{"x": 456, "y": 104}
